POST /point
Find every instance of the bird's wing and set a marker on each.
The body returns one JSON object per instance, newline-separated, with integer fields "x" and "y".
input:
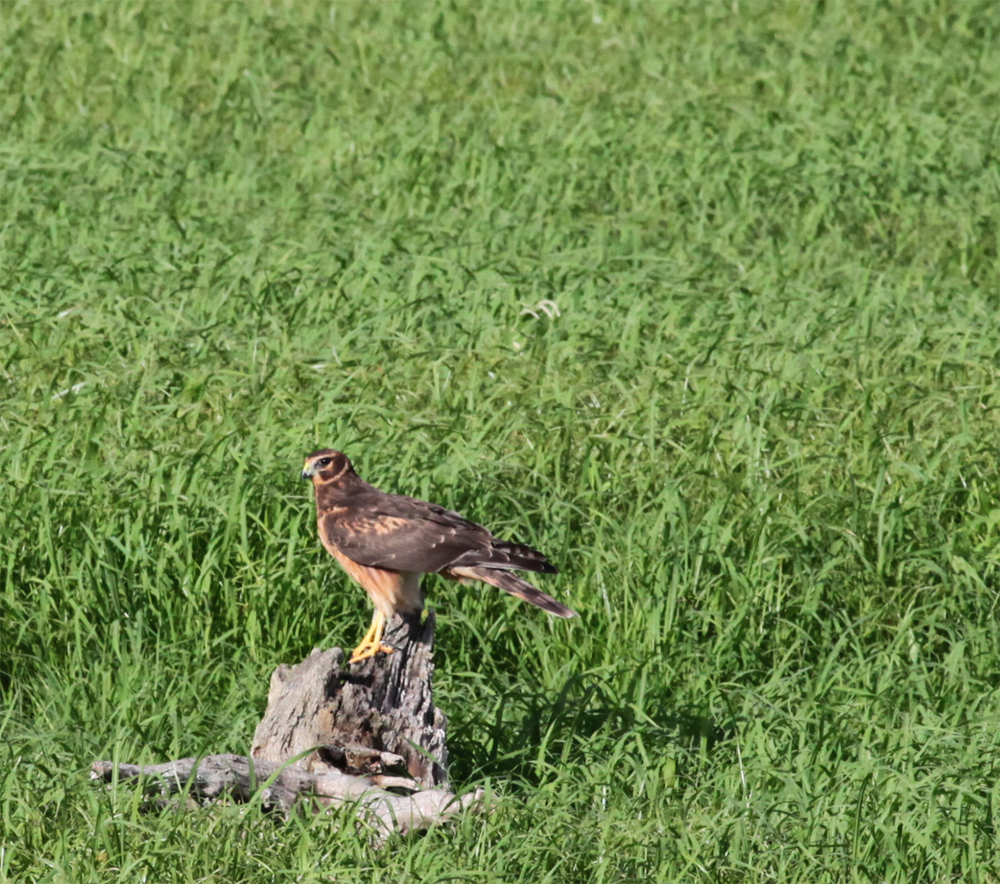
{"x": 402, "y": 533}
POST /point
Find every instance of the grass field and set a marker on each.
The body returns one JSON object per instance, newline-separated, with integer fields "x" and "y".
{"x": 702, "y": 300}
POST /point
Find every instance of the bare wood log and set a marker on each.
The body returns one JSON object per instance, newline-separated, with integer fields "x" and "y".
{"x": 237, "y": 777}
{"x": 333, "y": 736}
{"x": 382, "y": 707}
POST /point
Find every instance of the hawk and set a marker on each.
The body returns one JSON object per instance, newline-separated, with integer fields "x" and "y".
{"x": 385, "y": 542}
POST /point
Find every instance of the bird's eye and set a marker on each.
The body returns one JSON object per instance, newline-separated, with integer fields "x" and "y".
{"x": 324, "y": 461}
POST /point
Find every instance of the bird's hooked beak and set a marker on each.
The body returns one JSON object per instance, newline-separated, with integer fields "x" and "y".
{"x": 308, "y": 471}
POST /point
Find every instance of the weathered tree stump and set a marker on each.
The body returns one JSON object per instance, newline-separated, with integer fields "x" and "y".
{"x": 333, "y": 736}
{"x": 383, "y": 704}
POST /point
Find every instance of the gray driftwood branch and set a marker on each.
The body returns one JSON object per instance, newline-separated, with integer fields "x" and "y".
{"x": 239, "y": 778}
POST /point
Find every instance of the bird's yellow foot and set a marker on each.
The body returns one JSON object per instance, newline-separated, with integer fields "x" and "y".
{"x": 364, "y": 651}
{"x": 371, "y": 644}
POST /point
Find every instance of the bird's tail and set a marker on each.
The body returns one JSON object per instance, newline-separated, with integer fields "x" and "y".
{"x": 513, "y": 584}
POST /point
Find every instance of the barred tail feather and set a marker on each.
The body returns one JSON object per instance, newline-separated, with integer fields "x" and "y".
{"x": 513, "y": 584}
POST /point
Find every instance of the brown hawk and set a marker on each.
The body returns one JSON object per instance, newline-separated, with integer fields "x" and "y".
{"x": 387, "y": 541}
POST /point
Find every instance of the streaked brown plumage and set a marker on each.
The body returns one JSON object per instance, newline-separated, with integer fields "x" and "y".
{"x": 387, "y": 541}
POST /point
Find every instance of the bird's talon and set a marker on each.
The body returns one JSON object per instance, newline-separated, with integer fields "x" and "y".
{"x": 363, "y": 653}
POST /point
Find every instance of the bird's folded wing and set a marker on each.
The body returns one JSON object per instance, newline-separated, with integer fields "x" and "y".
{"x": 403, "y": 534}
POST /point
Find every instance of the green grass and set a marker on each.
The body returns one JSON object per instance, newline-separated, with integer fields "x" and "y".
{"x": 700, "y": 299}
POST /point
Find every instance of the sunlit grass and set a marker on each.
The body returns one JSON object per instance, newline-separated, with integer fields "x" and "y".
{"x": 700, "y": 300}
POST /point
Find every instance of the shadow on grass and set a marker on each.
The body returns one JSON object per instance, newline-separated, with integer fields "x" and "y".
{"x": 586, "y": 723}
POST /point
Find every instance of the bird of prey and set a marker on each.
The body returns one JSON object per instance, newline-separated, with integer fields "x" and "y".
{"x": 386, "y": 542}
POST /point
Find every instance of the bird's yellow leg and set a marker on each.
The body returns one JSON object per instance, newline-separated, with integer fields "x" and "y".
{"x": 371, "y": 644}
{"x": 367, "y": 640}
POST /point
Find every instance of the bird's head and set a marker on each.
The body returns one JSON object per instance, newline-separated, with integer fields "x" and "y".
{"x": 326, "y": 465}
